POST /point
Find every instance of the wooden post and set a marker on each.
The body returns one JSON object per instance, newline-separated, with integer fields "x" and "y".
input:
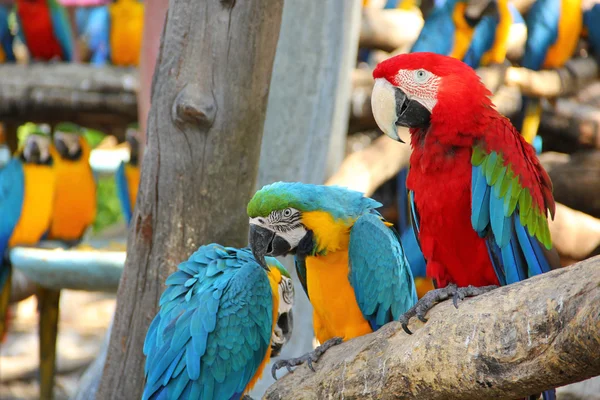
{"x": 209, "y": 98}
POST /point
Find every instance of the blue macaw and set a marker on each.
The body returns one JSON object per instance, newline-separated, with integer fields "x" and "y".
{"x": 93, "y": 23}
{"x": 553, "y": 30}
{"x": 348, "y": 258}
{"x": 128, "y": 174}
{"x": 6, "y": 36}
{"x": 213, "y": 334}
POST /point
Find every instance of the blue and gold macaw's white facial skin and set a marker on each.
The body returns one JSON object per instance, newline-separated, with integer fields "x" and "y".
{"x": 37, "y": 149}
{"x": 67, "y": 144}
{"x": 276, "y": 234}
{"x": 285, "y": 320}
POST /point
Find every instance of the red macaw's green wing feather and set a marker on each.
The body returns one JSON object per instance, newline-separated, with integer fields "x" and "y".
{"x": 510, "y": 196}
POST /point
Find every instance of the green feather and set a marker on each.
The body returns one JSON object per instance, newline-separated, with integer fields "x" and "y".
{"x": 515, "y": 191}
{"x": 478, "y": 156}
{"x": 491, "y": 167}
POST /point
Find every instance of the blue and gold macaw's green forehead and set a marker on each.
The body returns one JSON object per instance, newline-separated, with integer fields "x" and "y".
{"x": 338, "y": 201}
{"x": 68, "y": 127}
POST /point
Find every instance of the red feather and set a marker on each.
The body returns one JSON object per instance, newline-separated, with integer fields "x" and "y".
{"x": 38, "y": 30}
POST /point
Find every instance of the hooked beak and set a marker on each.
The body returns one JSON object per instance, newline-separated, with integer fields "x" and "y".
{"x": 33, "y": 153}
{"x": 69, "y": 149}
{"x": 282, "y": 332}
{"x": 392, "y": 108}
{"x": 264, "y": 242}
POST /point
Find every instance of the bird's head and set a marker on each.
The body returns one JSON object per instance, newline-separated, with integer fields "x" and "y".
{"x": 36, "y": 148}
{"x": 299, "y": 218}
{"x": 285, "y": 319}
{"x": 419, "y": 89}
{"x": 67, "y": 140}
{"x": 132, "y": 135}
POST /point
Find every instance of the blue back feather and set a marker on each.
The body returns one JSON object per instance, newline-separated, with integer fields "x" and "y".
{"x": 12, "y": 193}
{"x": 437, "y": 34}
{"x": 123, "y": 192}
{"x": 62, "y": 29}
{"x": 542, "y": 31}
{"x": 6, "y": 37}
{"x": 213, "y": 328}
{"x": 94, "y": 24}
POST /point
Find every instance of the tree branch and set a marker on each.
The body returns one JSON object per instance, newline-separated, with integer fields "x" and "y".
{"x": 511, "y": 342}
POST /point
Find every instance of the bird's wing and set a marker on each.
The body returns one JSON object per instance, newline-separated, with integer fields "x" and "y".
{"x": 12, "y": 194}
{"x": 379, "y": 271}
{"x": 542, "y": 22}
{"x": 213, "y": 329}
{"x": 62, "y": 29}
{"x": 123, "y": 192}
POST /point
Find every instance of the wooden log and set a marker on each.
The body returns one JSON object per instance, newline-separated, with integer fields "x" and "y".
{"x": 389, "y": 29}
{"x": 512, "y": 342}
{"x": 209, "y": 99}
{"x": 100, "y": 98}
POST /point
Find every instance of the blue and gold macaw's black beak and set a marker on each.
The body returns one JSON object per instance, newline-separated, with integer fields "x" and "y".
{"x": 393, "y": 108}
{"x": 282, "y": 332}
{"x": 264, "y": 242}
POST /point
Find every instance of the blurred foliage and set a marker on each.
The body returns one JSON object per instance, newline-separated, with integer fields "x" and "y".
{"x": 109, "y": 209}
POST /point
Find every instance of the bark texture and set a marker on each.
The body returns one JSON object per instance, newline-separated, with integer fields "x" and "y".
{"x": 209, "y": 100}
{"x": 514, "y": 341}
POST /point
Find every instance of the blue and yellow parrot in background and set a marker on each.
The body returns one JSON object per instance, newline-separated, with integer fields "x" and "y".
{"x": 591, "y": 24}
{"x": 553, "y": 30}
{"x": 6, "y": 36}
{"x": 93, "y": 24}
{"x": 26, "y": 197}
{"x": 127, "y": 26}
{"x": 75, "y": 192}
{"x": 128, "y": 174}
{"x": 348, "y": 258}
{"x": 215, "y": 329}
{"x": 45, "y": 29}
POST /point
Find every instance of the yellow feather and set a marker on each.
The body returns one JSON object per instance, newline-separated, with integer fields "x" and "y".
{"x": 127, "y": 25}
{"x": 132, "y": 175}
{"x": 331, "y": 235}
{"x": 74, "y": 196}
{"x": 37, "y": 207}
{"x": 531, "y": 122}
{"x": 463, "y": 33}
{"x": 497, "y": 54}
{"x": 569, "y": 30}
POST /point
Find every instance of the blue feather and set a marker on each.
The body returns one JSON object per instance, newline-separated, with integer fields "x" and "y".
{"x": 483, "y": 40}
{"x": 501, "y": 225}
{"x": 62, "y": 29}
{"x": 94, "y": 24}
{"x": 6, "y": 37}
{"x": 123, "y": 192}
{"x": 542, "y": 31}
{"x": 437, "y": 34}
{"x": 12, "y": 194}
{"x": 480, "y": 195}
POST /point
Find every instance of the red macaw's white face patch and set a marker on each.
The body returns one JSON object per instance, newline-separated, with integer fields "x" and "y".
{"x": 419, "y": 85}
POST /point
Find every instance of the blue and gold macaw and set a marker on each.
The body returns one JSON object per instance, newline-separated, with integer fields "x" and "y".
{"x": 348, "y": 258}
{"x": 128, "y": 174}
{"x": 75, "y": 192}
{"x": 6, "y": 36}
{"x": 215, "y": 329}
{"x": 591, "y": 26}
{"x": 553, "y": 30}
{"x": 26, "y": 196}
{"x": 93, "y": 23}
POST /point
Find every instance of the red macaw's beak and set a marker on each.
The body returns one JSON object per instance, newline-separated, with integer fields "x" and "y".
{"x": 393, "y": 108}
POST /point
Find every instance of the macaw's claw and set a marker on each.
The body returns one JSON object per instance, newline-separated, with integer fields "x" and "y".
{"x": 435, "y": 296}
{"x": 308, "y": 358}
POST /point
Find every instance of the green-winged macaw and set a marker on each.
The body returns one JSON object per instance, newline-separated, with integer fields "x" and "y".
{"x": 480, "y": 195}
{"x": 45, "y": 29}
{"x": 348, "y": 258}
{"x": 75, "y": 189}
{"x": 127, "y": 175}
{"x": 216, "y": 327}
{"x": 26, "y": 197}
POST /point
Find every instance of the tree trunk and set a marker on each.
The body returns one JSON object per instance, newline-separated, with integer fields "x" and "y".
{"x": 209, "y": 99}
{"x": 307, "y": 117}
{"x": 514, "y": 341}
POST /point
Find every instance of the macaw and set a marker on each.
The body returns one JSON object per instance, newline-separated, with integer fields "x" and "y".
{"x": 480, "y": 194}
{"x": 6, "y": 36}
{"x": 45, "y": 29}
{"x": 75, "y": 192}
{"x": 591, "y": 24}
{"x": 348, "y": 258}
{"x": 490, "y": 40}
{"x": 215, "y": 330}
{"x": 26, "y": 196}
{"x": 93, "y": 23}
{"x": 553, "y": 30}
{"x": 126, "y": 28}
{"x": 128, "y": 174}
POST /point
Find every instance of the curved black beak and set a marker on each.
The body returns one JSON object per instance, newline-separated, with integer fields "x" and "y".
{"x": 410, "y": 113}
{"x": 264, "y": 242}
{"x": 64, "y": 151}
{"x": 34, "y": 153}
{"x": 282, "y": 333}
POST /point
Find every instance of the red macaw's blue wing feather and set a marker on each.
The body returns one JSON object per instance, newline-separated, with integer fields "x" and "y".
{"x": 213, "y": 328}
{"x": 62, "y": 29}
{"x": 503, "y": 212}
{"x": 123, "y": 192}
{"x": 379, "y": 271}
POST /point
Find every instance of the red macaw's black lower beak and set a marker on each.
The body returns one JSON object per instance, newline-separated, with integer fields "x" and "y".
{"x": 265, "y": 242}
{"x": 410, "y": 113}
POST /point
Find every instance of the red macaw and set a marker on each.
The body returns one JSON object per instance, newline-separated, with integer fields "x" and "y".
{"x": 479, "y": 194}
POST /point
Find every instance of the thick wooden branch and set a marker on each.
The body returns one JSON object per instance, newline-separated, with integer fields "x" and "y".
{"x": 514, "y": 341}
{"x": 389, "y": 30}
{"x": 100, "y": 98}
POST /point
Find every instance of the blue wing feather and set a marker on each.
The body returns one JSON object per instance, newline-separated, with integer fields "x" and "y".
{"x": 123, "y": 192}
{"x": 62, "y": 30}
{"x": 211, "y": 332}
{"x": 379, "y": 271}
{"x": 437, "y": 34}
{"x": 12, "y": 194}
{"x": 542, "y": 31}
{"x": 483, "y": 40}
{"x": 6, "y": 37}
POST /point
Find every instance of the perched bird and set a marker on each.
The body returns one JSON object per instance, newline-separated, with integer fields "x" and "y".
{"x": 348, "y": 258}
{"x": 128, "y": 174}
{"x": 591, "y": 25}
{"x": 480, "y": 195}
{"x": 75, "y": 192}
{"x": 126, "y": 27}
{"x": 93, "y": 24}
{"x": 215, "y": 329}
{"x": 6, "y": 36}
{"x": 26, "y": 196}
{"x": 553, "y": 30}
{"x": 45, "y": 29}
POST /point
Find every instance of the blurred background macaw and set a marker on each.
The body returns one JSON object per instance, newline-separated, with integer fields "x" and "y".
{"x": 6, "y": 36}
{"x": 93, "y": 27}
{"x": 128, "y": 174}
{"x": 127, "y": 23}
